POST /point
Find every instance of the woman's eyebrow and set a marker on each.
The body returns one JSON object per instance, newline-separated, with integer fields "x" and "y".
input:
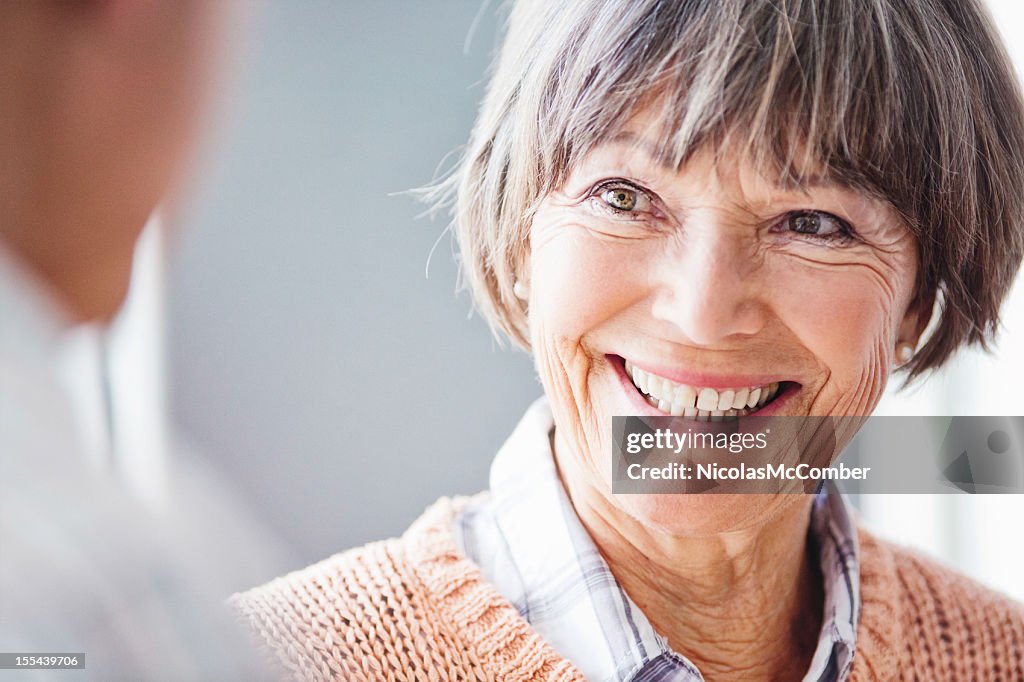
{"x": 635, "y": 141}
{"x": 785, "y": 182}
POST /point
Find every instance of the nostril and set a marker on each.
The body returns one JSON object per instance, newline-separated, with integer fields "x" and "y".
{"x": 707, "y": 313}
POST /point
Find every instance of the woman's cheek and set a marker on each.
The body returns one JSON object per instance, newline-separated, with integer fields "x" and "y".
{"x": 579, "y": 281}
{"x": 846, "y": 320}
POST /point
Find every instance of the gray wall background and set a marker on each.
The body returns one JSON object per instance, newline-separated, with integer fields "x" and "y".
{"x": 323, "y": 374}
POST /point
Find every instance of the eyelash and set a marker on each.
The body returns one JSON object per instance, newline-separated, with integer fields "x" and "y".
{"x": 844, "y": 235}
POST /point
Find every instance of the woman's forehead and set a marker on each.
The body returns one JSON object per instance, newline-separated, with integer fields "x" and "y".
{"x": 651, "y": 132}
{"x": 642, "y": 141}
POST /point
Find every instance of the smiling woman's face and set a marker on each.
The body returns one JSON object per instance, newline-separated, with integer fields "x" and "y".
{"x": 709, "y": 289}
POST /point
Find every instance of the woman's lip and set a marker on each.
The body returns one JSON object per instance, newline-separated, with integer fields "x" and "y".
{"x": 643, "y": 407}
{"x": 701, "y": 379}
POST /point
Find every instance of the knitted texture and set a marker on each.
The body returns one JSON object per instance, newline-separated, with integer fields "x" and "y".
{"x": 414, "y": 608}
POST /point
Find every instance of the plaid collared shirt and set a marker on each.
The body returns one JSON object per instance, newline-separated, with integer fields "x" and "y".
{"x": 529, "y": 543}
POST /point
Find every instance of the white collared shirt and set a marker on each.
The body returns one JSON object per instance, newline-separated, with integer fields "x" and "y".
{"x": 84, "y": 567}
{"x": 529, "y": 543}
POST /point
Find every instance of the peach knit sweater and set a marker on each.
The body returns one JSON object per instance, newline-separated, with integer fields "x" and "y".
{"x": 414, "y": 608}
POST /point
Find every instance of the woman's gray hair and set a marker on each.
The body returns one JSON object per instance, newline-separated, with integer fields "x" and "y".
{"x": 915, "y": 103}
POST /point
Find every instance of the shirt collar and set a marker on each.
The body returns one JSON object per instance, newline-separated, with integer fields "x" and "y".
{"x": 530, "y": 544}
{"x": 33, "y": 321}
{"x": 50, "y": 370}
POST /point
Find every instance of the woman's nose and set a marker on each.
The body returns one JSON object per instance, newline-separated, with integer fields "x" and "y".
{"x": 710, "y": 285}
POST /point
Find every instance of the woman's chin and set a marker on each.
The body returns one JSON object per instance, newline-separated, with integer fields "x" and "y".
{"x": 698, "y": 515}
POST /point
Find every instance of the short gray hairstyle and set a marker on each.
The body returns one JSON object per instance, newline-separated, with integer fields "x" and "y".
{"x": 915, "y": 103}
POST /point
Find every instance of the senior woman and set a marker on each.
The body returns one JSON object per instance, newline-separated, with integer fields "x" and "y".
{"x": 718, "y": 207}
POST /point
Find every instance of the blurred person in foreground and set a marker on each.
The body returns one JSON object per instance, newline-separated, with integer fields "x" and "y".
{"x": 710, "y": 210}
{"x": 100, "y": 101}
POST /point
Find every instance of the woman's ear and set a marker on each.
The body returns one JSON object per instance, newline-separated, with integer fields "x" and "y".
{"x": 916, "y": 319}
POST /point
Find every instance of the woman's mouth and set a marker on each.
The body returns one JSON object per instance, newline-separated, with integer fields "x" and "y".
{"x": 701, "y": 402}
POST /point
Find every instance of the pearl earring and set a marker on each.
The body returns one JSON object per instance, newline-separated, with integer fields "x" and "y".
{"x": 519, "y": 289}
{"x": 904, "y": 352}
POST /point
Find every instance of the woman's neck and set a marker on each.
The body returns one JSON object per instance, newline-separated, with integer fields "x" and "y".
{"x": 740, "y": 605}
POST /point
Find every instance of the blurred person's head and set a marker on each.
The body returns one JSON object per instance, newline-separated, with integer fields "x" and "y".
{"x": 99, "y": 102}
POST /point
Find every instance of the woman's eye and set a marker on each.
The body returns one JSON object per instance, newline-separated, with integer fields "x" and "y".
{"x": 818, "y": 224}
{"x": 619, "y": 198}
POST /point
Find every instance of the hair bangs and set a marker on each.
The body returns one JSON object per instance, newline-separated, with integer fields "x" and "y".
{"x": 780, "y": 84}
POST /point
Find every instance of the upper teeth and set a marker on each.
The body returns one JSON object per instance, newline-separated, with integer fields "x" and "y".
{"x": 694, "y": 401}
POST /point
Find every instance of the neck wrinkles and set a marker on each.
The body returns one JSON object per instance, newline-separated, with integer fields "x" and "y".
{"x": 747, "y": 601}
